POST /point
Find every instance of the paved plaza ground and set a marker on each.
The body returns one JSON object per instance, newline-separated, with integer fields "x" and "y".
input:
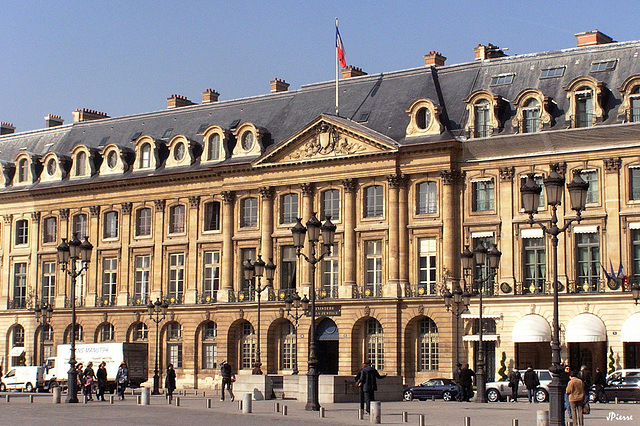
{"x": 193, "y": 411}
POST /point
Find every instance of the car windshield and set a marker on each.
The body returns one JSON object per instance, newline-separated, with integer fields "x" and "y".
{"x": 432, "y": 382}
{"x": 544, "y": 375}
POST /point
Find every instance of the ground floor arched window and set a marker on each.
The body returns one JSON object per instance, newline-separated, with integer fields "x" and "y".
{"x": 287, "y": 346}
{"x": 247, "y": 347}
{"x": 374, "y": 344}
{"x": 174, "y": 344}
{"x": 427, "y": 345}
{"x": 209, "y": 345}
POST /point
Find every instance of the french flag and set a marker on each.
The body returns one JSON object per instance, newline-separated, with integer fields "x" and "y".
{"x": 340, "y": 49}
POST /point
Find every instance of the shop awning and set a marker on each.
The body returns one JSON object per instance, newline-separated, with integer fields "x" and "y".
{"x": 477, "y": 316}
{"x": 631, "y": 329}
{"x": 531, "y": 329}
{"x": 586, "y": 328}
{"x": 16, "y": 351}
{"x": 476, "y": 338}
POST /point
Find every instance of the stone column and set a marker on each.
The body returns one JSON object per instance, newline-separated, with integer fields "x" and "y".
{"x": 191, "y": 276}
{"x": 450, "y": 212}
{"x": 63, "y": 232}
{"x": 266, "y": 225}
{"x": 349, "y": 259}
{"x": 123, "y": 267}
{"x": 156, "y": 287}
{"x": 612, "y": 196}
{"x": 34, "y": 246}
{"x": 391, "y": 289}
{"x": 7, "y": 220}
{"x": 308, "y": 190}
{"x": 403, "y": 237}
{"x": 226, "y": 276}
{"x": 507, "y": 242}
{"x": 91, "y": 275}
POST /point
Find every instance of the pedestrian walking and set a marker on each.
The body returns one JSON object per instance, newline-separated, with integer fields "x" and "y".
{"x": 456, "y": 382}
{"x": 576, "y": 392}
{"x": 368, "y": 378}
{"x": 564, "y": 381}
{"x": 101, "y": 376}
{"x": 89, "y": 376}
{"x": 228, "y": 377}
{"x": 514, "y": 381}
{"x": 532, "y": 382}
{"x": 359, "y": 386}
{"x": 79, "y": 377}
{"x": 600, "y": 382}
{"x": 585, "y": 376}
{"x": 170, "y": 381}
{"x": 466, "y": 381}
{"x": 122, "y": 379}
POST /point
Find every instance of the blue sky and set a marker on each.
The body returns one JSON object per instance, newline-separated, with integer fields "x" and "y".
{"x": 127, "y": 57}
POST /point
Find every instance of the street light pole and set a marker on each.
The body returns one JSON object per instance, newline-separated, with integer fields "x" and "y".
{"x": 314, "y": 228}
{"x": 530, "y": 191}
{"x": 43, "y": 317}
{"x": 156, "y": 308}
{"x": 297, "y": 304}
{"x": 461, "y": 300}
{"x": 68, "y": 256}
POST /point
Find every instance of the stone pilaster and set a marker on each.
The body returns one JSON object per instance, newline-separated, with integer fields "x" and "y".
{"x": 349, "y": 261}
{"x": 308, "y": 190}
{"x": 391, "y": 288}
{"x": 192, "y": 277}
{"x": 226, "y": 276}
{"x": 266, "y": 223}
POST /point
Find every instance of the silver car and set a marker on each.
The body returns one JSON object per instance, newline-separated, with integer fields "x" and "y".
{"x": 499, "y": 391}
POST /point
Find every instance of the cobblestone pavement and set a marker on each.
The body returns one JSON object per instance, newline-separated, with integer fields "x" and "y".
{"x": 193, "y": 411}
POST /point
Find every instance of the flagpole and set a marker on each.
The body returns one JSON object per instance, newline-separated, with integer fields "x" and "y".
{"x": 337, "y": 70}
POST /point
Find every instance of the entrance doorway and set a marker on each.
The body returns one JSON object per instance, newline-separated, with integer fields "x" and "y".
{"x": 590, "y": 354}
{"x": 327, "y": 347}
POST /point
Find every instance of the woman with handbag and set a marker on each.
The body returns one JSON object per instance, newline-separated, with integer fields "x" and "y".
{"x": 122, "y": 378}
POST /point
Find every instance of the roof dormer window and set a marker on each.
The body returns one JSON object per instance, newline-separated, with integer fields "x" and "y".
{"x": 532, "y": 113}
{"x": 608, "y": 65}
{"x": 83, "y": 165}
{"x": 630, "y": 107}
{"x": 585, "y": 108}
{"x": 52, "y": 165}
{"x": 112, "y": 159}
{"x": 250, "y": 141}
{"x": 23, "y": 170}
{"x": 424, "y": 118}
{"x": 145, "y": 156}
{"x": 502, "y": 79}
{"x": 178, "y": 151}
{"x": 247, "y": 140}
{"x": 552, "y": 72}
{"x": 484, "y": 109}
{"x": 215, "y": 140}
{"x": 181, "y": 151}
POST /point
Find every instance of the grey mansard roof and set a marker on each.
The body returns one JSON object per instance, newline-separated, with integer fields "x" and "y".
{"x": 385, "y": 97}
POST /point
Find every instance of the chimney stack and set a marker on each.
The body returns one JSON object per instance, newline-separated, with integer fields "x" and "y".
{"x": 210, "y": 96}
{"x": 85, "y": 114}
{"x": 278, "y": 85}
{"x": 6, "y": 128}
{"x": 351, "y": 71}
{"x": 592, "y": 38}
{"x": 434, "y": 59}
{"x": 489, "y": 51}
{"x": 53, "y": 120}
{"x": 178, "y": 101}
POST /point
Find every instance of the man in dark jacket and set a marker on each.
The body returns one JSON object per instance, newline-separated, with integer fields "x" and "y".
{"x": 466, "y": 381}
{"x": 456, "y": 381}
{"x": 585, "y": 376}
{"x": 228, "y": 376}
{"x": 531, "y": 381}
{"x": 564, "y": 381}
{"x": 514, "y": 381}
{"x": 600, "y": 381}
{"x": 368, "y": 376}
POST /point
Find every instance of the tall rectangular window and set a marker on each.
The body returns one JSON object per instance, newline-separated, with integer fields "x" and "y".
{"x": 80, "y": 225}
{"x": 482, "y": 271}
{"x": 48, "y": 282}
{"x": 288, "y": 268}
{"x": 246, "y": 254}
{"x": 289, "y": 208}
{"x": 634, "y": 183}
{"x": 19, "y": 299}
{"x": 174, "y": 344}
{"x": 211, "y": 269}
{"x": 584, "y": 109}
{"x": 248, "y": 346}
{"x": 634, "y": 113}
{"x": 143, "y": 222}
{"x": 374, "y": 201}
{"x": 176, "y": 276}
{"x": 212, "y": 216}
{"x": 50, "y": 230}
{"x": 288, "y": 346}
{"x": 110, "y": 225}
{"x": 177, "y": 219}
{"x": 427, "y": 198}
{"x": 141, "y": 284}
{"x": 588, "y": 262}
{"x": 483, "y": 195}
{"x": 635, "y": 254}
{"x": 249, "y": 213}
{"x": 535, "y": 265}
{"x": 22, "y": 232}
{"x": 482, "y": 119}
{"x": 209, "y": 346}
{"x": 373, "y": 262}
{"x": 109, "y": 279}
{"x": 331, "y": 204}
{"x": 427, "y": 266}
{"x": 330, "y": 273}
{"x": 591, "y": 177}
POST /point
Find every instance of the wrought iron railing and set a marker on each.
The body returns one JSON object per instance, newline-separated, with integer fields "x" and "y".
{"x": 104, "y": 301}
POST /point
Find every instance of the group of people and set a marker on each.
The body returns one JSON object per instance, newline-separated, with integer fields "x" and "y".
{"x": 87, "y": 377}
{"x": 578, "y": 384}
{"x": 463, "y": 379}
{"x": 530, "y": 380}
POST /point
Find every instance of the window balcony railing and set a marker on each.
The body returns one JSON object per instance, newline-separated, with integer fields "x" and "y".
{"x": 328, "y": 293}
{"x": 532, "y": 287}
{"x": 367, "y": 291}
{"x": 79, "y": 302}
{"x": 174, "y": 298}
{"x": 17, "y": 303}
{"x": 481, "y": 131}
{"x": 584, "y": 285}
{"x": 139, "y": 300}
{"x": 583, "y": 120}
{"x": 207, "y": 297}
{"x": 105, "y": 301}
{"x": 282, "y": 293}
{"x": 422, "y": 290}
{"x": 244, "y": 296}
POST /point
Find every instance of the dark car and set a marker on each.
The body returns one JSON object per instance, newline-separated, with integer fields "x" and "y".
{"x": 624, "y": 388}
{"x": 432, "y": 388}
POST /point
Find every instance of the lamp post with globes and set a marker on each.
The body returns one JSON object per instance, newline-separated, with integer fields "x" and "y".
{"x": 254, "y": 270}
{"x": 530, "y": 190}
{"x": 43, "y": 314}
{"x": 68, "y": 256}
{"x": 313, "y": 230}
{"x": 297, "y": 303}
{"x": 457, "y": 303}
{"x": 156, "y": 309}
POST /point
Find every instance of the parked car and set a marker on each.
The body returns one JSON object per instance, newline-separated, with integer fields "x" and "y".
{"x": 499, "y": 391}
{"x": 621, "y": 384}
{"x": 432, "y": 388}
{"x": 23, "y": 378}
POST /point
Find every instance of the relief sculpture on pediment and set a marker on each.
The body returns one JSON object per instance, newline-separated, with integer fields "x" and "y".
{"x": 326, "y": 142}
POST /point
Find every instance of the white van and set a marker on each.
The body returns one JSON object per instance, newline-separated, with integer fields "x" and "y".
{"x": 27, "y": 379}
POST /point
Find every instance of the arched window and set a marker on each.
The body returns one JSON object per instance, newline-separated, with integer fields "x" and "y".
{"x": 23, "y": 170}
{"x": 247, "y": 346}
{"x": 213, "y": 148}
{"x": 174, "y": 344}
{"x": 140, "y": 332}
{"x": 374, "y": 344}
{"x": 17, "y": 341}
{"x": 145, "y": 156}
{"x": 209, "y": 345}
{"x": 177, "y": 219}
{"x": 81, "y": 163}
{"x": 374, "y": 201}
{"x": 287, "y": 346}
{"x": 427, "y": 345}
{"x": 584, "y": 107}
{"x": 482, "y": 127}
{"x": 634, "y": 113}
{"x": 47, "y": 343}
{"x": 79, "y": 334}
{"x": 531, "y": 116}
{"x": 106, "y": 333}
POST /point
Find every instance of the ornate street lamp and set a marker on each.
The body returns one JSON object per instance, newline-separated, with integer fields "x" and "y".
{"x": 470, "y": 259}
{"x": 313, "y": 230}
{"x": 156, "y": 309}
{"x": 530, "y": 191}
{"x": 43, "y": 315}
{"x": 68, "y": 256}
{"x": 297, "y": 304}
{"x": 635, "y": 292}
{"x": 457, "y": 303}
{"x": 257, "y": 270}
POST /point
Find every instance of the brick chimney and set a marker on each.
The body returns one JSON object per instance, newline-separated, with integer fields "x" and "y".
{"x": 278, "y": 85}
{"x": 351, "y": 71}
{"x": 53, "y": 120}
{"x": 434, "y": 59}
{"x": 85, "y": 114}
{"x": 6, "y": 128}
{"x": 489, "y": 51}
{"x": 592, "y": 38}
{"x": 178, "y": 101}
{"x": 210, "y": 96}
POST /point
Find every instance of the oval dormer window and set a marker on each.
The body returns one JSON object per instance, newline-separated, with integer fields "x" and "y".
{"x": 423, "y": 118}
{"x": 112, "y": 159}
{"x": 178, "y": 151}
{"x": 51, "y": 166}
{"x": 247, "y": 141}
